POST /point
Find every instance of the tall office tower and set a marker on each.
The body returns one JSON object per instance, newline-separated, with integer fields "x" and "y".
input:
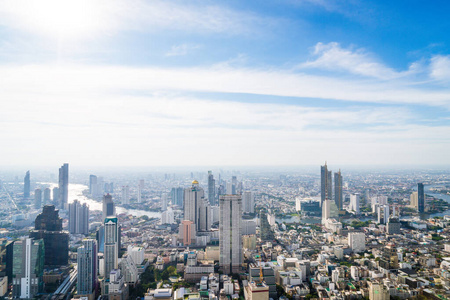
{"x": 125, "y": 194}
{"x": 47, "y": 196}
{"x": 63, "y": 186}
{"x": 414, "y": 200}
{"x": 357, "y": 241}
{"x": 325, "y": 184}
{"x": 354, "y": 203}
{"x": 109, "y": 210}
{"x": 221, "y": 191}
{"x": 386, "y": 214}
{"x": 87, "y": 268}
{"x": 204, "y": 214}
{"x": 421, "y": 198}
{"x": 233, "y": 185}
{"x": 78, "y": 218}
{"x": 248, "y": 202}
{"x": 92, "y": 184}
{"x": 338, "y": 199}
{"x": 230, "y": 238}
{"x": 177, "y": 195}
{"x": 48, "y": 226}
{"x": 111, "y": 247}
{"x": 28, "y": 268}
{"x": 37, "y": 198}
{"x": 211, "y": 189}
{"x": 55, "y": 193}
{"x": 193, "y": 198}
{"x": 26, "y": 185}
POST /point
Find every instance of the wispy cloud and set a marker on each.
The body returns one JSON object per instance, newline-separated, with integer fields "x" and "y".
{"x": 181, "y": 50}
{"x": 332, "y": 57}
{"x": 440, "y": 68}
{"x": 85, "y": 18}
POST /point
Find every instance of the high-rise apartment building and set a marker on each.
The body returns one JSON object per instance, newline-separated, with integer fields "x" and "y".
{"x": 211, "y": 189}
{"x": 421, "y": 198}
{"x": 338, "y": 198}
{"x": 111, "y": 247}
{"x": 357, "y": 241}
{"x": 414, "y": 200}
{"x": 326, "y": 184}
{"x": 37, "y": 198}
{"x": 248, "y": 202}
{"x": 48, "y": 226}
{"x": 108, "y": 208}
{"x": 386, "y": 214}
{"x": 230, "y": 238}
{"x": 28, "y": 268}
{"x": 78, "y": 218}
{"x": 26, "y": 185}
{"x": 87, "y": 268}
{"x": 63, "y": 186}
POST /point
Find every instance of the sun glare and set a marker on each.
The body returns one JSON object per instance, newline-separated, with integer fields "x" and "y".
{"x": 64, "y": 19}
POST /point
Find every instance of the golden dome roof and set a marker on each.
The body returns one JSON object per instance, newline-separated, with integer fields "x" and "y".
{"x": 195, "y": 182}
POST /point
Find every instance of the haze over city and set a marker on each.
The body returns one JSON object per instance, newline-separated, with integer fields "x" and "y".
{"x": 175, "y": 83}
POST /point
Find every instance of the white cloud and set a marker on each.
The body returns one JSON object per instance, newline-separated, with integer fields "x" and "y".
{"x": 440, "y": 68}
{"x": 333, "y": 57}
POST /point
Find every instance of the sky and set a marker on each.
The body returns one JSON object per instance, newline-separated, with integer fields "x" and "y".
{"x": 224, "y": 83}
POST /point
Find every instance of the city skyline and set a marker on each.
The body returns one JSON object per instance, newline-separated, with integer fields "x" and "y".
{"x": 291, "y": 83}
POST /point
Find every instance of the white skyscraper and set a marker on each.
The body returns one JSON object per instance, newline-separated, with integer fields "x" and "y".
{"x": 326, "y": 210}
{"x": 354, "y": 203}
{"x": 111, "y": 251}
{"x": 167, "y": 217}
{"x": 230, "y": 238}
{"x": 386, "y": 214}
{"x": 357, "y": 241}
{"x": 248, "y": 202}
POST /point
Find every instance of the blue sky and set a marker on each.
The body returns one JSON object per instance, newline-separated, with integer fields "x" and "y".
{"x": 294, "y": 82}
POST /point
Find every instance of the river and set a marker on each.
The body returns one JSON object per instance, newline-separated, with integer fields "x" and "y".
{"x": 76, "y": 193}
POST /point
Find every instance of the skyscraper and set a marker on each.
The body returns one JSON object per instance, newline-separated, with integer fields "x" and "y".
{"x": 194, "y": 204}
{"x": 78, "y": 218}
{"x": 248, "y": 202}
{"x": 55, "y": 192}
{"x": 338, "y": 190}
{"x": 47, "y": 196}
{"x": 230, "y": 238}
{"x": 28, "y": 268}
{"x": 37, "y": 198}
{"x": 92, "y": 184}
{"x": 325, "y": 184}
{"x": 63, "y": 186}
{"x": 87, "y": 267}
{"x": 26, "y": 185}
{"x": 177, "y": 195}
{"x": 109, "y": 209}
{"x": 211, "y": 189}
{"x": 111, "y": 247}
{"x": 48, "y": 226}
{"x": 354, "y": 203}
{"x": 234, "y": 184}
{"x": 125, "y": 194}
{"x": 421, "y": 198}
